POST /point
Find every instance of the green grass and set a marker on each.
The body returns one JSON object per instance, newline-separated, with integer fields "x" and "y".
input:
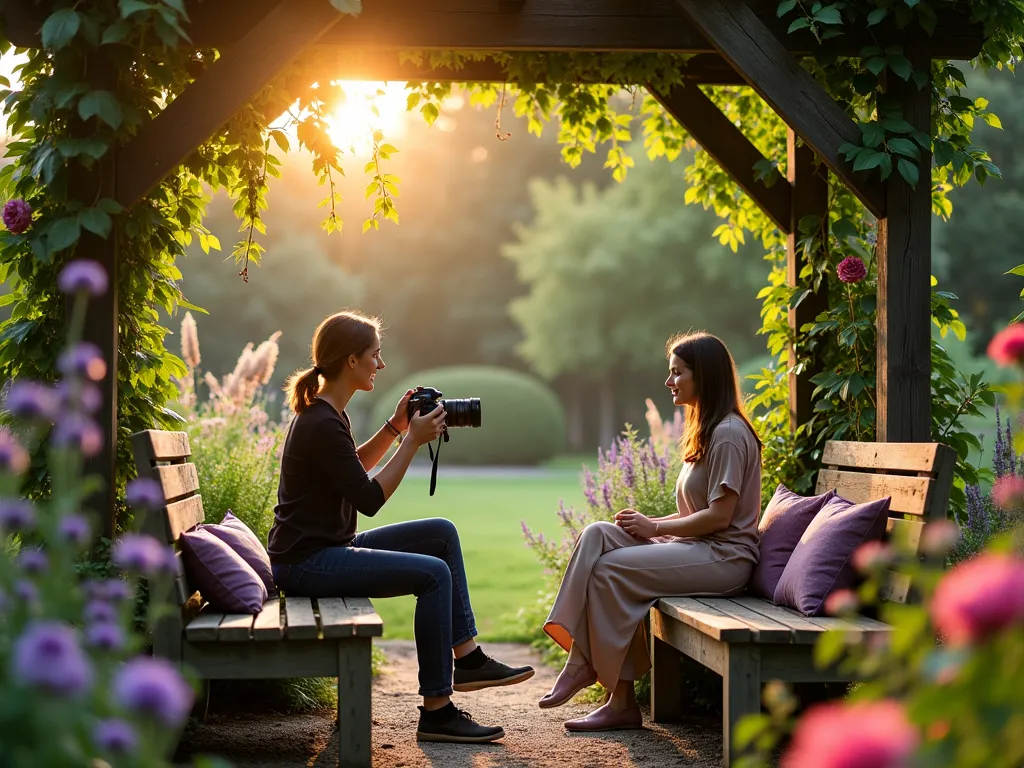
{"x": 503, "y": 573}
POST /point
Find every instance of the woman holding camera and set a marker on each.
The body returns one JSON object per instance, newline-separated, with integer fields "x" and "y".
{"x": 709, "y": 547}
{"x": 315, "y": 550}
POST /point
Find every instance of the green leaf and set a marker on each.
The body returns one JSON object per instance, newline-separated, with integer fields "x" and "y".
{"x": 128, "y": 7}
{"x": 901, "y": 66}
{"x": 828, "y": 15}
{"x": 943, "y": 153}
{"x": 801, "y": 23}
{"x": 103, "y": 104}
{"x": 109, "y": 205}
{"x": 875, "y": 65}
{"x": 60, "y": 28}
{"x": 116, "y": 32}
{"x": 897, "y": 125}
{"x": 873, "y": 134}
{"x": 877, "y": 15}
{"x": 908, "y": 171}
{"x": 904, "y": 147}
{"x": 96, "y": 221}
{"x": 1018, "y": 270}
{"x": 63, "y": 233}
{"x": 868, "y": 160}
{"x": 429, "y": 112}
{"x": 785, "y": 7}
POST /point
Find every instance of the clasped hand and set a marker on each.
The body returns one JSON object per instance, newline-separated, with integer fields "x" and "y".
{"x": 636, "y": 524}
{"x": 422, "y": 428}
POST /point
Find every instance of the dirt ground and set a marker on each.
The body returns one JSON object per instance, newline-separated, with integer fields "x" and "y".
{"x": 533, "y": 737}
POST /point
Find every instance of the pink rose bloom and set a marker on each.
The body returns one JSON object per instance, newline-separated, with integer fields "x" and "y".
{"x": 851, "y": 270}
{"x": 979, "y": 598}
{"x": 1007, "y": 346}
{"x": 939, "y": 538}
{"x": 871, "y": 555}
{"x": 17, "y": 216}
{"x": 1008, "y": 492}
{"x": 873, "y": 734}
{"x": 841, "y": 602}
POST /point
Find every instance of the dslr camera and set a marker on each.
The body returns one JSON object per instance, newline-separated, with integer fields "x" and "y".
{"x": 459, "y": 412}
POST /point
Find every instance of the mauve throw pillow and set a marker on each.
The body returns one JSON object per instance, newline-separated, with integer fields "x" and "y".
{"x": 821, "y": 562}
{"x": 220, "y": 574}
{"x": 240, "y": 538}
{"x": 783, "y": 523}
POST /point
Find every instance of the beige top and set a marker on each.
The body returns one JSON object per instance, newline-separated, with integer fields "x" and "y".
{"x": 732, "y": 461}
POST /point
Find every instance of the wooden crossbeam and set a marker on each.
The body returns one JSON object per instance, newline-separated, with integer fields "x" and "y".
{"x": 745, "y": 42}
{"x": 733, "y": 151}
{"x": 520, "y": 25}
{"x": 286, "y": 29}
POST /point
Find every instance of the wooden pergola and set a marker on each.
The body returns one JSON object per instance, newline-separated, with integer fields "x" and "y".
{"x": 735, "y": 42}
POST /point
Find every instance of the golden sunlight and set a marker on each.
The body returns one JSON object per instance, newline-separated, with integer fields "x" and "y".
{"x": 368, "y": 107}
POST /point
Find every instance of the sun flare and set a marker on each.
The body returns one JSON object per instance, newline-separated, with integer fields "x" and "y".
{"x": 367, "y": 107}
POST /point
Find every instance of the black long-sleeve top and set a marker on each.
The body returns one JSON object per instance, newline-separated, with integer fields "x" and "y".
{"x": 323, "y": 484}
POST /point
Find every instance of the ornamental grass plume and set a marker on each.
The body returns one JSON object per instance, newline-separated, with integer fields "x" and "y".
{"x": 1007, "y": 346}
{"x": 190, "y": 342}
{"x": 979, "y": 598}
{"x": 871, "y": 734}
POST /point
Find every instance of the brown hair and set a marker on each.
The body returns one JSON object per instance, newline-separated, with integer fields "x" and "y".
{"x": 718, "y": 390}
{"x": 338, "y": 336}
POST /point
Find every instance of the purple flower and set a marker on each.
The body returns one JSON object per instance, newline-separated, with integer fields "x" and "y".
{"x": 16, "y": 515}
{"x": 26, "y": 591}
{"x": 75, "y": 529}
{"x": 83, "y": 276}
{"x": 75, "y": 430}
{"x": 851, "y": 270}
{"x": 17, "y": 216}
{"x": 152, "y": 686}
{"x": 606, "y": 492}
{"x": 145, "y": 494}
{"x": 627, "y": 464}
{"x": 83, "y": 359}
{"x": 48, "y": 656}
{"x": 79, "y": 395}
{"x": 105, "y": 636}
{"x": 13, "y": 458}
{"x": 115, "y": 590}
{"x": 32, "y": 560}
{"x": 99, "y": 611}
{"x": 139, "y": 553}
{"x": 31, "y": 400}
{"x": 115, "y": 736}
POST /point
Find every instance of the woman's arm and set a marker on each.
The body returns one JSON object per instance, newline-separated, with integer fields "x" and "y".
{"x": 422, "y": 429}
{"x": 372, "y": 451}
{"x": 704, "y": 522}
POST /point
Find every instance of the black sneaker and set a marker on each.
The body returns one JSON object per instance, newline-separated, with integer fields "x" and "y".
{"x": 491, "y": 673}
{"x": 452, "y": 724}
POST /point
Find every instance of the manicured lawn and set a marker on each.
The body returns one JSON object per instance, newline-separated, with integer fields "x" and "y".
{"x": 503, "y": 573}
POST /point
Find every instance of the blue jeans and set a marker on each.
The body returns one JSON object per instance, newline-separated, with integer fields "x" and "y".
{"x": 422, "y": 558}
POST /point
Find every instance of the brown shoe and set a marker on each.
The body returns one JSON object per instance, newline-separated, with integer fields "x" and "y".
{"x": 607, "y": 719}
{"x": 571, "y": 680}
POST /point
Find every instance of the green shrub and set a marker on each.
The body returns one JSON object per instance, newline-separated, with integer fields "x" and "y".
{"x": 522, "y": 420}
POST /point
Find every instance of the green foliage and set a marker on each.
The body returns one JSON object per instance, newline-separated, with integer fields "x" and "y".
{"x": 522, "y": 421}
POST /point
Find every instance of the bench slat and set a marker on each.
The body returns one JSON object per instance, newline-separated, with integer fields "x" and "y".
{"x": 763, "y": 629}
{"x": 368, "y": 621}
{"x": 904, "y": 457}
{"x": 336, "y": 618}
{"x": 204, "y": 626}
{"x": 858, "y": 624}
{"x": 802, "y": 629}
{"x": 183, "y": 515}
{"x": 177, "y": 480}
{"x": 267, "y": 624}
{"x": 301, "y": 620}
{"x": 168, "y": 446}
{"x": 909, "y": 494}
{"x": 235, "y": 627}
{"x": 710, "y": 621}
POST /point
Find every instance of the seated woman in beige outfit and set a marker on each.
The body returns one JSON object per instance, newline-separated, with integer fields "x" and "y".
{"x": 709, "y": 547}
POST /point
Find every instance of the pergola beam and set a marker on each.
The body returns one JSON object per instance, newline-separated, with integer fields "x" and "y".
{"x": 745, "y": 42}
{"x": 283, "y": 32}
{"x": 733, "y": 151}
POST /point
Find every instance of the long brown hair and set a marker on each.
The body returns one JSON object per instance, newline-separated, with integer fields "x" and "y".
{"x": 718, "y": 390}
{"x": 338, "y": 336}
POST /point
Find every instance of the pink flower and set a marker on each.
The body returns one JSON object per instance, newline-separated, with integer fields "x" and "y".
{"x": 13, "y": 458}
{"x": 872, "y": 555}
{"x": 851, "y": 270}
{"x": 940, "y": 537}
{"x": 17, "y": 216}
{"x": 873, "y": 734}
{"x": 841, "y": 602}
{"x": 1007, "y": 346}
{"x": 1008, "y": 492}
{"x": 979, "y": 598}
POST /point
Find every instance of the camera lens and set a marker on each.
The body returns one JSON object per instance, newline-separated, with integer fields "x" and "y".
{"x": 462, "y": 412}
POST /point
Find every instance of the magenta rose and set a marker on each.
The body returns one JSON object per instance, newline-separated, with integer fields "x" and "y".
{"x": 979, "y": 598}
{"x": 1007, "y": 346}
{"x": 851, "y": 270}
{"x": 872, "y": 734}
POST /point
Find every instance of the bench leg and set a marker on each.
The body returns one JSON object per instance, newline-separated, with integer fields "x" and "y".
{"x": 355, "y": 693}
{"x": 666, "y": 676}
{"x": 741, "y": 692}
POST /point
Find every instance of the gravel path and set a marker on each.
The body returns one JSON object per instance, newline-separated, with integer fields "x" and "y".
{"x": 533, "y": 737}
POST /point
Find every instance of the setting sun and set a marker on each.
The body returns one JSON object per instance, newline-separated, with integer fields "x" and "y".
{"x": 368, "y": 107}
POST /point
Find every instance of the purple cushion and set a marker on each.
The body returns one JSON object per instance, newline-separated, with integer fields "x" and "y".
{"x": 821, "y": 562}
{"x": 240, "y": 538}
{"x": 220, "y": 574}
{"x": 783, "y": 523}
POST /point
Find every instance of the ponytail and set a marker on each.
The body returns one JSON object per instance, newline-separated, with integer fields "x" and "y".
{"x": 302, "y": 387}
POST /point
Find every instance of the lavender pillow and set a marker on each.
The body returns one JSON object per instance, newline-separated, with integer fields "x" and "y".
{"x": 220, "y": 574}
{"x": 240, "y": 538}
{"x": 783, "y": 523}
{"x": 820, "y": 564}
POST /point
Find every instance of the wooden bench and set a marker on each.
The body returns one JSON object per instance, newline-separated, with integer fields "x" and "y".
{"x": 748, "y": 640}
{"x": 297, "y": 637}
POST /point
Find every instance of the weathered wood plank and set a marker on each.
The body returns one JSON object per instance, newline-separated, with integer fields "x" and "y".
{"x": 204, "y": 626}
{"x": 741, "y": 692}
{"x": 301, "y": 621}
{"x": 259, "y": 661}
{"x": 730, "y": 148}
{"x": 855, "y": 624}
{"x": 666, "y": 676}
{"x": 910, "y": 495}
{"x": 905, "y": 534}
{"x": 336, "y": 618}
{"x": 710, "y": 621}
{"x": 744, "y": 40}
{"x": 801, "y": 629}
{"x": 355, "y": 691}
{"x": 235, "y": 627}
{"x": 688, "y": 640}
{"x": 763, "y": 629}
{"x": 183, "y": 515}
{"x": 167, "y": 626}
{"x": 268, "y": 625}
{"x": 895, "y": 587}
{"x": 168, "y": 446}
{"x": 903, "y": 457}
{"x": 368, "y": 622}
{"x": 795, "y": 664}
{"x": 286, "y": 29}
{"x": 177, "y": 480}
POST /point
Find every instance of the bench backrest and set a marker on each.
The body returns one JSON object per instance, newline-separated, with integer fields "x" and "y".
{"x": 166, "y": 457}
{"x": 918, "y": 477}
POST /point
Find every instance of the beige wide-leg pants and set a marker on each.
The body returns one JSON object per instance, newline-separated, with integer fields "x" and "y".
{"x": 613, "y": 579}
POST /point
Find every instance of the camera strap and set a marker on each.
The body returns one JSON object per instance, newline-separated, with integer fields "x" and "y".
{"x": 434, "y": 456}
